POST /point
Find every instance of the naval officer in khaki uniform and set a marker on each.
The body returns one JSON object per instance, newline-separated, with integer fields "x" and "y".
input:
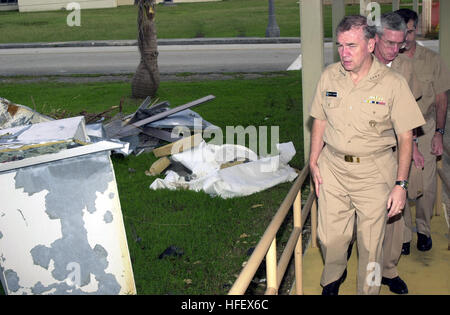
{"x": 434, "y": 77}
{"x": 390, "y": 37}
{"x": 359, "y": 106}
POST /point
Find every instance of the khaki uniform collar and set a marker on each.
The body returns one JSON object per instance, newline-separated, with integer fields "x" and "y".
{"x": 376, "y": 72}
{"x": 420, "y": 52}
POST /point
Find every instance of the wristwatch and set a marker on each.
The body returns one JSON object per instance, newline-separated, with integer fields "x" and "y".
{"x": 440, "y": 130}
{"x": 402, "y": 183}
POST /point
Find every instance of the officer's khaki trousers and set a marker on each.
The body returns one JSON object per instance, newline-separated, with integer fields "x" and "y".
{"x": 392, "y": 245}
{"x": 393, "y": 241}
{"x": 348, "y": 188}
{"x": 425, "y": 203}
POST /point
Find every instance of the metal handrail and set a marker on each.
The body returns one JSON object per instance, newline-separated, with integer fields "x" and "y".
{"x": 266, "y": 247}
{"x": 442, "y": 178}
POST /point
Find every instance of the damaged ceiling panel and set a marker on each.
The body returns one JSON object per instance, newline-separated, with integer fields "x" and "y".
{"x": 61, "y": 227}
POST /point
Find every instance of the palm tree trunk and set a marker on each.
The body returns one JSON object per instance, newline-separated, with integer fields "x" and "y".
{"x": 146, "y": 79}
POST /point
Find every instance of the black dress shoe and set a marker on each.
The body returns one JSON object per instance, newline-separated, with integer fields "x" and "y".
{"x": 396, "y": 285}
{"x": 405, "y": 248}
{"x": 424, "y": 242}
{"x": 333, "y": 287}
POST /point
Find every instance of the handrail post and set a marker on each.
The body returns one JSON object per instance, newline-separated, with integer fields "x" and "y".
{"x": 266, "y": 247}
{"x": 298, "y": 251}
{"x": 271, "y": 268}
{"x": 313, "y": 218}
{"x": 438, "y": 204}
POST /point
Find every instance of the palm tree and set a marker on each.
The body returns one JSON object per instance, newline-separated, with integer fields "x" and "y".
{"x": 146, "y": 79}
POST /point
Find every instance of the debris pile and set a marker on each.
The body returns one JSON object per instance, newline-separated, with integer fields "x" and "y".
{"x": 188, "y": 161}
{"x": 149, "y": 127}
{"x": 221, "y": 170}
{"x": 153, "y": 124}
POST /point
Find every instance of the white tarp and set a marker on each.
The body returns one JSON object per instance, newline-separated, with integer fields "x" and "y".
{"x": 240, "y": 180}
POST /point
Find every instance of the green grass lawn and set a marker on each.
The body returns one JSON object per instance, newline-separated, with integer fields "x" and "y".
{"x": 231, "y": 18}
{"x": 210, "y": 231}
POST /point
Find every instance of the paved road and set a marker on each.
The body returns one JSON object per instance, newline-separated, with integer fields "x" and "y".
{"x": 172, "y": 59}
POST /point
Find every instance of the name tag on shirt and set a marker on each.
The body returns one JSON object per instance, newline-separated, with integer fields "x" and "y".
{"x": 331, "y": 94}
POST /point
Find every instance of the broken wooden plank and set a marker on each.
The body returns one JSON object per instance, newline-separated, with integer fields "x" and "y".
{"x": 164, "y": 114}
{"x": 179, "y": 146}
{"x": 230, "y": 164}
{"x": 158, "y": 166}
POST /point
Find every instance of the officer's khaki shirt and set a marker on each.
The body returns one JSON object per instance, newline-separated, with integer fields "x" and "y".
{"x": 404, "y": 65}
{"x": 433, "y": 75}
{"x": 361, "y": 119}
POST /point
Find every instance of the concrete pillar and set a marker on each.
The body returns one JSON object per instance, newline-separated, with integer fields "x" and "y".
{"x": 311, "y": 27}
{"x": 338, "y": 12}
{"x": 444, "y": 30}
{"x": 416, "y": 6}
{"x": 363, "y": 7}
{"x": 426, "y": 16}
{"x": 395, "y": 5}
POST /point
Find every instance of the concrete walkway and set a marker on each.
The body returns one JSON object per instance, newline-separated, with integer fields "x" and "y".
{"x": 425, "y": 273}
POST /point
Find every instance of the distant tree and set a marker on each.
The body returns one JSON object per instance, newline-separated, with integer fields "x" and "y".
{"x": 146, "y": 79}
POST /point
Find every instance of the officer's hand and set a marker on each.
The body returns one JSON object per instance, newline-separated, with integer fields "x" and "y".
{"x": 437, "y": 147}
{"x": 396, "y": 201}
{"x": 419, "y": 160}
{"x": 315, "y": 175}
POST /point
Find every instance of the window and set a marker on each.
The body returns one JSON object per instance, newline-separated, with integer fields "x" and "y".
{"x": 8, "y": 2}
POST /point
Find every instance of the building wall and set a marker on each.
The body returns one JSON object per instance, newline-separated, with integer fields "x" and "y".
{"x": 329, "y": 2}
{"x": 125, "y": 2}
{"x": 9, "y": 7}
{"x": 131, "y": 2}
{"x": 54, "y": 5}
{"x": 186, "y": 1}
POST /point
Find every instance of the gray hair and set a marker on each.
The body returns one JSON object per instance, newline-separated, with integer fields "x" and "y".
{"x": 390, "y": 21}
{"x": 355, "y": 21}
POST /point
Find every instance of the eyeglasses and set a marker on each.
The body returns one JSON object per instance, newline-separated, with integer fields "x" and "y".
{"x": 392, "y": 44}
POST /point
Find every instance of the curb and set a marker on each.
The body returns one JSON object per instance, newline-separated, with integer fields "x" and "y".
{"x": 161, "y": 42}
{"x": 164, "y": 42}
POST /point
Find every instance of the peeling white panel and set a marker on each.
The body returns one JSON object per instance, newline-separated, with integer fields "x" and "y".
{"x": 108, "y": 202}
{"x": 62, "y": 230}
{"x": 20, "y": 226}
